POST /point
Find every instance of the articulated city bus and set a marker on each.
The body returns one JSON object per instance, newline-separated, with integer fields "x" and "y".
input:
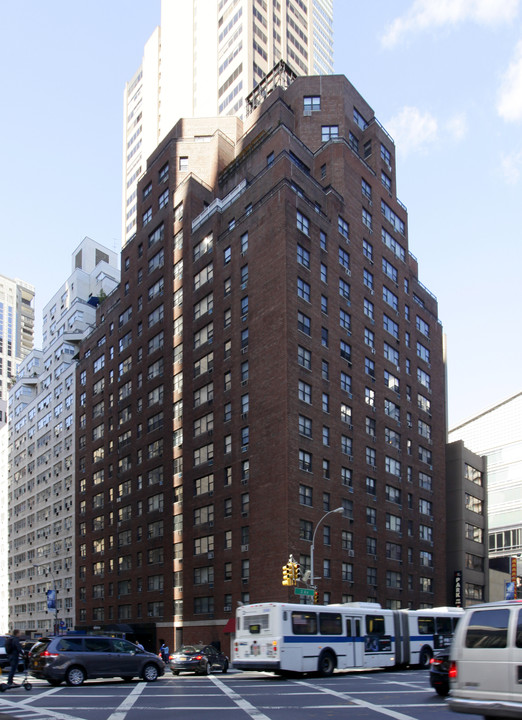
{"x": 286, "y": 637}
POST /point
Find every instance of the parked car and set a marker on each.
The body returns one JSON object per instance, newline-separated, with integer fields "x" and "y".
{"x": 201, "y": 659}
{"x": 4, "y": 659}
{"x": 439, "y": 672}
{"x": 486, "y": 659}
{"x": 76, "y": 658}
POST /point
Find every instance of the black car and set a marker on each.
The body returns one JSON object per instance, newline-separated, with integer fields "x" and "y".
{"x": 201, "y": 659}
{"x": 75, "y": 658}
{"x": 439, "y": 669}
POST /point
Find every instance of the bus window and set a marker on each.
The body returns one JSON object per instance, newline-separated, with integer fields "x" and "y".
{"x": 330, "y": 624}
{"x": 426, "y": 626}
{"x": 376, "y": 640}
{"x": 443, "y": 626}
{"x": 374, "y": 625}
{"x": 256, "y": 623}
{"x": 304, "y": 623}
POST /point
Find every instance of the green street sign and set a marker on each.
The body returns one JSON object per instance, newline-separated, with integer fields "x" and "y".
{"x": 304, "y": 591}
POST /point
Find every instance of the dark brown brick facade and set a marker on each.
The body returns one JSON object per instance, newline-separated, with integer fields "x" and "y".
{"x": 243, "y": 483}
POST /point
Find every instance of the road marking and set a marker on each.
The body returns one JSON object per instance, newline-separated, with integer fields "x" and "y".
{"x": 121, "y": 711}
{"x": 240, "y": 702}
{"x": 362, "y": 703}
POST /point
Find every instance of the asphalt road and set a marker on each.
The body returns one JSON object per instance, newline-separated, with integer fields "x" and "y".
{"x": 375, "y": 695}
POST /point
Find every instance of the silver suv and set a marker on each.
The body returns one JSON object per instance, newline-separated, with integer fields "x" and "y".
{"x": 75, "y": 658}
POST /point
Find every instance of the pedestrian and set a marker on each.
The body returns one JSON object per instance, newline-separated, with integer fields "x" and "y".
{"x": 164, "y": 652}
{"x": 139, "y": 645}
{"x": 14, "y": 651}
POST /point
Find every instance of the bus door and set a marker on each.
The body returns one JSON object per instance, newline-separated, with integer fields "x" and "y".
{"x": 355, "y": 656}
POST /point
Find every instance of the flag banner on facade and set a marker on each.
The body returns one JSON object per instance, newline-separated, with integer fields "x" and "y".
{"x": 51, "y": 599}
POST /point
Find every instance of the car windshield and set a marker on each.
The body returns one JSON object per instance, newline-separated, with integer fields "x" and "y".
{"x": 187, "y": 649}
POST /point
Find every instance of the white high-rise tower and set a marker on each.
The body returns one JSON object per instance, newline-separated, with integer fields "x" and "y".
{"x": 205, "y": 59}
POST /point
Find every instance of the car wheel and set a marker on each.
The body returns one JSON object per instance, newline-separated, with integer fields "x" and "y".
{"x": 425, "y": 656}
{"x": 326, "y": 664}
{"x": 127, "y": 678}
{"x": 150, "y": 672}
{"x": 205, "y": 670}
{"x": 442, "y": 690}
{"x": 54, "y": 683}
{"x": 225, "y": 666}
{"x": 75, "y": 676}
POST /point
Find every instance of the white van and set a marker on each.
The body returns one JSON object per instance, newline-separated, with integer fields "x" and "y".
{"x": 486, "y": 661}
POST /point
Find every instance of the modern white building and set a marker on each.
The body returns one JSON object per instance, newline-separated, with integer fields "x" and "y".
{"x": 42, "y": 449}
{"x": 16, "y": 341}
{"x": 497, "y": 434}
{"x": 205, "y": 59}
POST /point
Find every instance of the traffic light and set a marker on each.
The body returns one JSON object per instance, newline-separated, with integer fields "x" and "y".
{"x": 287, "y": 574}
{"x": 316, "y": 597}
{"x": 296, "y": 571}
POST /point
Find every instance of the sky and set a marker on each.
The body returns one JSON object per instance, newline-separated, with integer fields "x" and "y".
{"x": 444, "y": 77}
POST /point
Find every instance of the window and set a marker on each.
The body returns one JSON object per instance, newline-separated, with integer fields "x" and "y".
{"x": 305, "y": 426}
{"x": 163, "y": 199}
{"x": 393, "y": 522}
{"x": 324, "y": 304}
{"x": 305, "y": 392}
{"x": 324, "y": 273}
{"x": 304, "y": 324}
{"x": 146, "y": 217}
{"x": 325, "y": 370}
{"x": 305, "y": 461}
{"x": 303, "y": 289}
{"x": 346, "y": 445}
{"x": 324, "y": 337}
{"x": 326, "y": 436}
{"x": 368, "y": 279}
{"x": 304, "y": 357}
{"x": 391, "y": 354}
{"x": 343, "y": 227}
{"x": 369, "y": 396}
{"x": 389, "y": 270}
{"x": 345, "y": 351}
{"x": 424, "y": 378}
{"x": 367, "y": 219}
{"x": 371, "y": 456}
{"x": 305, "y": 495}
{"x": 311, "y": 103}
{"x": 303, "y": 223}
{"x": 303, "y": 256}
{"x": 328, "y": 132}
{"x": 345, "y": 320}
{"x": 346, "y": 383}
{"x": 344, "y": 259}
{"x": 393, "y": 466}
{"x": 390, "y": 326}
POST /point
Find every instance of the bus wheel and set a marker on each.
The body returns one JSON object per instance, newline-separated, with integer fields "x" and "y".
{"x": 326, "y": 664}
{"x": 425, "y": 657}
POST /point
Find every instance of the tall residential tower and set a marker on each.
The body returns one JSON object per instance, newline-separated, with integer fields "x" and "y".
{"x": 270, "y": 356}
{"x": 224, "y": 48}
{"x": 42, "y": 448}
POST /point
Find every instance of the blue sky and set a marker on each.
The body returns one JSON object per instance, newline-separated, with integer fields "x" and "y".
{"x": 443, "y": 76}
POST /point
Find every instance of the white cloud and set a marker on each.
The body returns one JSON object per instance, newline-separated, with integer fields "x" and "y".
{"x": 511, "y": 166}
{"x": 457, "y": 126}
{"x": 509, "y": 105}
{"x": 413, "y": 130}
{"x": 427, "y": 14}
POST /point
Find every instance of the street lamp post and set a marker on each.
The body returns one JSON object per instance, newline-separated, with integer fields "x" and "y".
{"x": 337, "y": 510}
{"x": 52, "y": 599}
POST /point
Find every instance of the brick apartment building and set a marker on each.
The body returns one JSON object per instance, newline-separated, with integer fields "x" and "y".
{"x": 269, "y": 356}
